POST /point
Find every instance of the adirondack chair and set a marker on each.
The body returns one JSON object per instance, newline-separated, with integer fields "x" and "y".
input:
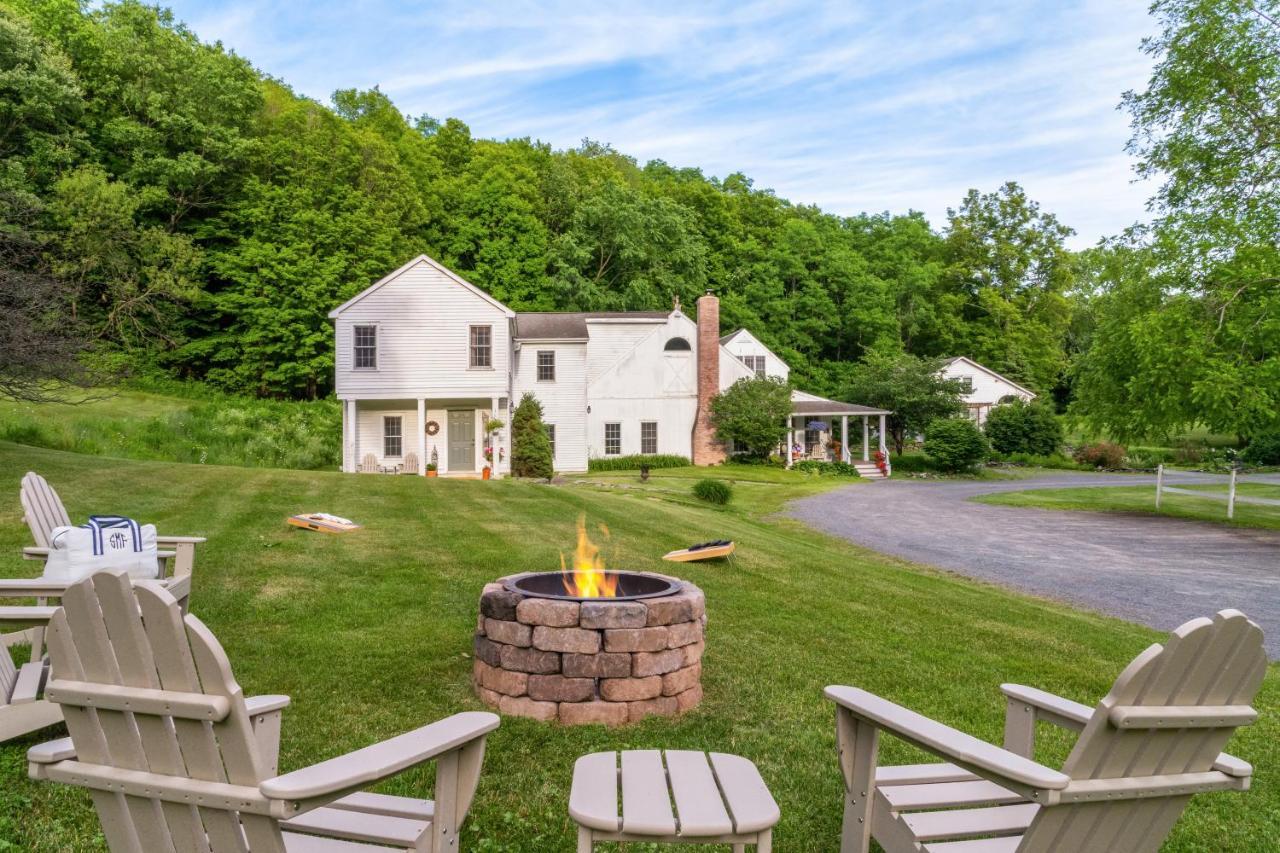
{"x": 43, "y": 511}
{"x": 21, "y": 709}
{"x": 1155, "y": 740}
{"x": 177, "y": 759}
{"x": 369, "y": 464}
{"x": 410, "y": 464}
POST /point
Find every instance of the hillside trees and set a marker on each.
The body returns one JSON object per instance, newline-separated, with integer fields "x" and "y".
{"x": 204, "y": 219}
{"x": 1188, "y": 320}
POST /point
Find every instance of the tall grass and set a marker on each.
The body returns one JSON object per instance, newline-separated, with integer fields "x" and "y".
{"x": 222, "y": 431}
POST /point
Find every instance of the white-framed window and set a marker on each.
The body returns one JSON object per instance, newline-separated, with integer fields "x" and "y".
{"x": 755, "y": 362}
{"x": 546, "y": 365}
{"x": 551, "y": 437}
{"x": 613, "y": 439}
{"x": 392, "y": 435}
{"x": 482, "y": 346}
{"x": 364, "y": 347}
{"x": 648, "y": 436}
{"x": 812, "y": 438}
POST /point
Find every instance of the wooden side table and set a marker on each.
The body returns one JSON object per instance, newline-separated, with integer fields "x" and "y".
{"x": 671, "y": 796}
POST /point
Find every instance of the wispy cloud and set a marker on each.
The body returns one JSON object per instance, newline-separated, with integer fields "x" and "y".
{"x": 850, "y": 105}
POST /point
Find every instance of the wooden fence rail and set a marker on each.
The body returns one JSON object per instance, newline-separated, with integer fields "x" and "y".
{"x": 1231, "y": 497}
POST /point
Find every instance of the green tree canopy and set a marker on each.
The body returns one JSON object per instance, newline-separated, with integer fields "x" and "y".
{"x": 752, "y": 413}
{"x": 910, "y": 387}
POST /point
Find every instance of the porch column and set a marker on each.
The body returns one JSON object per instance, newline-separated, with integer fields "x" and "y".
{"x": 345, "y": 463}
{"x": 844, "y": 439}
{"x": 355, "y": 436}
{"x": 497, "y": 439}
{"x": 866, "y": 439}
{"x": 790, "y": 437}
{"x": 422, "y": 438}
{"x": 884, "y": 448}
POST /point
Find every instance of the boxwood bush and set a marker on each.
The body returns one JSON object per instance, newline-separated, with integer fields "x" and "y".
{"x": 633, "y": 462}
{"x": 713, "y": 491}
{"x": 1020, "y": 427}
{"x": 955, "y": 444}
{"x": 826, "y": 469}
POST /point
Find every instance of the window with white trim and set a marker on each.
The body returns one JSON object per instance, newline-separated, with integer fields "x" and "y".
{"x": 648, "y": 436}
{"x": 482, "y": 346}
{"x": 546, "y": 365}
{"x": 551, "y": 437}
{"x": 392, "y": 435}
{"x": 364, "y": 345}
{"x": 755, "y": 362}
{"x": 613, "y": 439}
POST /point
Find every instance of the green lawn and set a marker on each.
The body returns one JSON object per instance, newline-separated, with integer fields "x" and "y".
{"x": 1143, "y": 499}
{"x": 371, "y": 634}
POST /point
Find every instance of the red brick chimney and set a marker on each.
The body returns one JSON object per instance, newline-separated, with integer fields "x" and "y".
{"x": 706, "y": 450}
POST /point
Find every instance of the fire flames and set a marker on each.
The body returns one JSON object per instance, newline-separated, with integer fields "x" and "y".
{"x": 586, "y": 577}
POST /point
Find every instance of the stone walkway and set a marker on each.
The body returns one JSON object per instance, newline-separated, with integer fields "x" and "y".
{"x": 1155, "y": 570}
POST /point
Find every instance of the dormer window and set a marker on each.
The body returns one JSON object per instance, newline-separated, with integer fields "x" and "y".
{"x": 755, "y": 362}
{"x": 365, "y": 347}
{"x": 677, "y": 345}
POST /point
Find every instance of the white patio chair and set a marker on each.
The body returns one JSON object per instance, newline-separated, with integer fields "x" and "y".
{"x": 1155, "y": 740}
{"x": 177, "y": 759}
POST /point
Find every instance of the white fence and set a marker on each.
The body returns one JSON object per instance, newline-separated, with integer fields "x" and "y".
{"x": 1231, "y": 497}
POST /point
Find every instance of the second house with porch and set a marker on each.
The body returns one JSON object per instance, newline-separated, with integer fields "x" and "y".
{"x": 426, "y": 362}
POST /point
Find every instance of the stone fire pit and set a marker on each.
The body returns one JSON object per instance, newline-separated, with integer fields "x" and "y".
{"x": 594, "y": 661}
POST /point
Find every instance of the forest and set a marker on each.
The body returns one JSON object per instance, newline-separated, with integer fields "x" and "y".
{"x": 170, "y": 211}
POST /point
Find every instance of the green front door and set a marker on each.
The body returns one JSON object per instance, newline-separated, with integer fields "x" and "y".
{"x": 462, "y": 440}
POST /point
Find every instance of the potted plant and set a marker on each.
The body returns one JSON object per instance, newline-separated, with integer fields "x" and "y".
{"x": 491, "y": 426}
{"x": 644, "y": 472}
{"x": 433, "y": 466}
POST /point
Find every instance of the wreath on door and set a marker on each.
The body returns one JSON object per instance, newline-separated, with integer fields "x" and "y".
{"x": 432, "y": 427}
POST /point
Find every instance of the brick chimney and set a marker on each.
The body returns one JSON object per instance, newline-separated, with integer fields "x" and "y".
{"x": 706, "y": 450}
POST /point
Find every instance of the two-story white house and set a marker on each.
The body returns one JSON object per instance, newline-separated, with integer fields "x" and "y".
{"x": 986, "y": 388}
{"x": 425, "y": 360}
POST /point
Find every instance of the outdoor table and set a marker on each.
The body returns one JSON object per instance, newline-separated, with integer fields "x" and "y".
{"x": 671, "y": 796}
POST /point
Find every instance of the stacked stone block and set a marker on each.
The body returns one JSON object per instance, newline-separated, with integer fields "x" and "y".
{"x": 603, "y": 661}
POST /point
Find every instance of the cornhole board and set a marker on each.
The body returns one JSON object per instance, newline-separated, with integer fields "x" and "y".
{"x": 690, "y": 555}
{"x": 322, "y": 522}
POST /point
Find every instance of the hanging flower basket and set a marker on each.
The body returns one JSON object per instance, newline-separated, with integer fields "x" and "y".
{"x": 820, "y": 426}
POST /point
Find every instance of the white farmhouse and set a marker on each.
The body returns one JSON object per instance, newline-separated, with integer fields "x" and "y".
{"x": 425, "y": 360}
{"x": 986, "y": 388}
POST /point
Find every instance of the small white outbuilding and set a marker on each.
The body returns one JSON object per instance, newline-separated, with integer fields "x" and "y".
{"x": 986, "y": 387}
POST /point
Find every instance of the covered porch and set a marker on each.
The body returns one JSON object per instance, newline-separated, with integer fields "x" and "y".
{"x": 410, "y": 435}
{"x": 812, "y": 435}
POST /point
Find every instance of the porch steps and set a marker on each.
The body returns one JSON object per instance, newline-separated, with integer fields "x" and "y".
{"x": 868, "y": 470}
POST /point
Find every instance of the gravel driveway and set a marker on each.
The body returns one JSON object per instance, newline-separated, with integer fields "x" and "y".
{"x": 1155, "y": 570}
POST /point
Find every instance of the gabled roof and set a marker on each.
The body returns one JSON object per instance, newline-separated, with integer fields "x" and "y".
{"x": 989, "y": 372}
{"x": 725, "y": 339}
{"x": 572, "y": 326}
{"x": 803, "y": 403}
{"x": 434, "y": 264}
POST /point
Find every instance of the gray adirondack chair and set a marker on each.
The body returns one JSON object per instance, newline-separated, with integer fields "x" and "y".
{"x": 43, "y": 511}
{"x": 1155, "y": 740}
{"x": 178, "y": 760}
{"x": 410, "y": 464}
{"x": 21, "y": 709}
{"x": 369, "y": 464}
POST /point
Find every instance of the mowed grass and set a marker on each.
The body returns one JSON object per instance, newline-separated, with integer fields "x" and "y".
{"x": 370, "y": 633}
{"x": 1143, "y": 499}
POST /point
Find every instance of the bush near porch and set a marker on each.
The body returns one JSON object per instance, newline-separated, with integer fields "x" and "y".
{"x": 635, "y": 460}
{"x": 370, "y": 633}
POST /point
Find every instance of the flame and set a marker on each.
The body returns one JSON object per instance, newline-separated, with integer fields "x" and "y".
{"x": 587, "y": 578}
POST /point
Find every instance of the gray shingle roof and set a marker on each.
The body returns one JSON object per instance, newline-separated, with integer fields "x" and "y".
{"x": 831, "y": 407}
{"x": 555, "y": 325}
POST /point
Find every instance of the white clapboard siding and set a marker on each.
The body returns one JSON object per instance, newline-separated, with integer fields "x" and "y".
{"x": 646, "y": 383}
{"x": 743, "y": 343}
{"x": 564, "y": 401}
{"x": 611, "y": 340}
{"x": 423, "y": 317}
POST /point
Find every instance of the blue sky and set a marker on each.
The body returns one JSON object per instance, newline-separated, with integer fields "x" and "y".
{"x": 851, "y": 106}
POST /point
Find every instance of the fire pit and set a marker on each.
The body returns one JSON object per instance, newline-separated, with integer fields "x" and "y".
{"x": 587, "y": 645}
{"x": 627, "y": 586}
